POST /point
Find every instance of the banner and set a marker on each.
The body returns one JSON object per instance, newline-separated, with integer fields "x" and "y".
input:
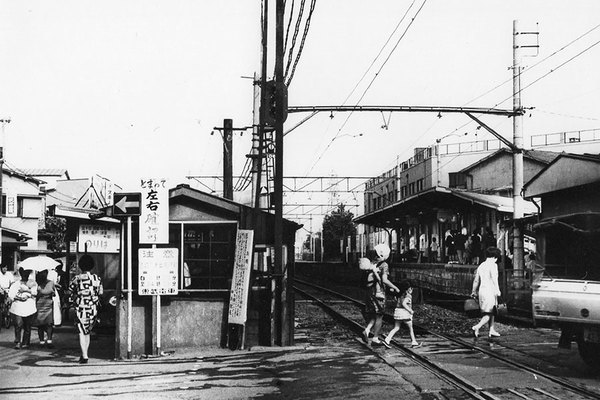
{"x": 240, "y": 282}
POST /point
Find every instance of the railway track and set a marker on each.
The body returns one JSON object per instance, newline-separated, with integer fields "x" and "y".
{"x": 471, "y": 369}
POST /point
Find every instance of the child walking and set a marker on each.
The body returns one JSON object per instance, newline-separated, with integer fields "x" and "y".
{"x": 403, "y": 313}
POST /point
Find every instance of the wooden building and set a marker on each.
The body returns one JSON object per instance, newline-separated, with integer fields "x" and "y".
{"x": 203, "y": 228}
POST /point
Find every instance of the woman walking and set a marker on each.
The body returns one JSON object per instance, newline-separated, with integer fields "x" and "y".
{"x": 85, "y": 289}
{"x": 487, "y": 290}
{"x": 22, "y": 294}
{"x": 375, "y": 302}
{"x": 45, "y": 308}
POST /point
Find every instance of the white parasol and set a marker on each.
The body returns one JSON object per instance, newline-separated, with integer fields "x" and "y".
{"x": 38, "y": 263}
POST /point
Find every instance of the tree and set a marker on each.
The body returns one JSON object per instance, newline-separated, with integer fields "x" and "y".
{"x": 55, "y": 233}
{"x": 337, "y": 226}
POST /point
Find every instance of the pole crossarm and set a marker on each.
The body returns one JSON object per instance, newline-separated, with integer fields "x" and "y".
{"x": 438, "y": 109}
{"x": 493, "y": 132}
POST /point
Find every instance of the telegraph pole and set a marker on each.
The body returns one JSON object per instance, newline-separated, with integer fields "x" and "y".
{"x": 3, "y": 122}
{"x": 228, "y": 159}
{"x": 518, "y": 213}
{"x": 278, "y": 182}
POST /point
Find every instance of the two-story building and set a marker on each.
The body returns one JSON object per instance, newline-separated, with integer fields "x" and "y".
{"x": 22, "y": 216}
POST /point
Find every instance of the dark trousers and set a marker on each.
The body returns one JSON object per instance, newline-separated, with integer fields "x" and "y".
{"x": 23, "y": 325}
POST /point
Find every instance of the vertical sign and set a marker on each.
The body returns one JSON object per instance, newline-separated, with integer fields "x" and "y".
{"x": 11, "y": 205}
{"x": 240, "y": 282}
{"x": 109, "y": 193}
{"x": 154, "y": 218}
{"x": 158, "y": 272}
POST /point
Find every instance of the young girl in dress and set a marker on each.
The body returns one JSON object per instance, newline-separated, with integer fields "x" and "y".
{"x": 403, "y": 313}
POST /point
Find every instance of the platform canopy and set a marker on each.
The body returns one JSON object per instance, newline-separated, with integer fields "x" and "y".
{"x": 438, "y": 199}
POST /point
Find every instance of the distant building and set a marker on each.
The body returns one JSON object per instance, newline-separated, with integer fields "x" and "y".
{"x": 22, "y": 216}
{"x": 442, "y": 189}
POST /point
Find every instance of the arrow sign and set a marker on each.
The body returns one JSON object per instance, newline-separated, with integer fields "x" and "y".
{"x": 127, "y": 204}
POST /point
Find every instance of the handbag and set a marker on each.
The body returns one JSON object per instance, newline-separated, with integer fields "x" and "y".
{"x": 471, "y": 308}
{"x": 501, "y": 308}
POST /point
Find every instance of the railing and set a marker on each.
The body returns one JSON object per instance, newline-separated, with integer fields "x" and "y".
{"x": 549, "y": 139}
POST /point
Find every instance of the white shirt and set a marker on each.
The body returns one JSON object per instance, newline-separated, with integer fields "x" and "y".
{"x": 5, "y": 280}
{"x": 26, "y": 307}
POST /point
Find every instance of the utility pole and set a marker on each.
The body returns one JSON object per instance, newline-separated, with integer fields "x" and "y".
{"x": 228, "y": 159}
{"x": 518, "y": 252}
{"x": 278, "y": 182}
{"x": 3, "y": 122}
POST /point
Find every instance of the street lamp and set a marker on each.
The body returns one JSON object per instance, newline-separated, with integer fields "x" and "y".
{"x": 437, "y": 153}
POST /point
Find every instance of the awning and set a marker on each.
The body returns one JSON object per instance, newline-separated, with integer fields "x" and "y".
{"x": 11, "y": 236}
{"x": 585, "y": 223}
{"x": 500, "y": 203}
{"x": 79, "y": 213}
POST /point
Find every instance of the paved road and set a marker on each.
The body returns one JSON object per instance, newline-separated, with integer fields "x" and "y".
{"x": 348, "y": 371}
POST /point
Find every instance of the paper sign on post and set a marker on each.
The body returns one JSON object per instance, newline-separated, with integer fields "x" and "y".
{"x": 158, "y": 273}
{"x": 154, "y": 217}
{"x": 240, "y": 282}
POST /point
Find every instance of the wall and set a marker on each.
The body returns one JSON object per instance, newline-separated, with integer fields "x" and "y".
{"x": 186, "y": 322}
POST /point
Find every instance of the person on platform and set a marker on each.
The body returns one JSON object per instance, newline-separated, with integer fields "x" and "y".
{"x": 22, "y": 294}
{"x": 85, "y": 290}
{"x": 487, "y": 290}
{"x": 434, "y": 249}
{"x": 375, "y": 302}
{"x": 44, "y": 319}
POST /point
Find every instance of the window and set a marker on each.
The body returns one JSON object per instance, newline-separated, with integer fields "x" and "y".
{"x": 208, "y": 252}
{"x": 411, "y": 188}
{"x": 24, "y": 207}
{"x": 403, "y": 192}
{"x": 420, "y": 183}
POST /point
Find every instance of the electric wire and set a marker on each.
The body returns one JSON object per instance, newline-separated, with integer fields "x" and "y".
{"x": 302, "y": 41}
{"x": 525, "y": 70}
{"x": 369, "y": 85}
{"x": 378, "y": 54}
{"x": 289, "y": 24}
{"x": 294, "y": 37}
{"x": 536, "y": 64}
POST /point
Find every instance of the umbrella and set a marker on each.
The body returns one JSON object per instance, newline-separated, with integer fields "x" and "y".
{"x": 39, "y": 263}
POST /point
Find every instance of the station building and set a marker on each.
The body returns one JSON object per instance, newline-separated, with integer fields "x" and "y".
{"x": 202, "y": 227}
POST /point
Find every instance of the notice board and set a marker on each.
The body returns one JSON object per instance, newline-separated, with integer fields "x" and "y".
{"x": 158, "y": 273}
{"x": 240, "y": 282}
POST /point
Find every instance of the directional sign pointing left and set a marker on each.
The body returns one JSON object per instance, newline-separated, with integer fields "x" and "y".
{"x": 127, "y": 204}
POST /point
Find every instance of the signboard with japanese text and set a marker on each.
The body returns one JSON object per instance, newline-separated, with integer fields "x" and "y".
{"x": 98, "y": 239}
{"x": 158, "y": 272}
{"x": 11, "y": 205}
{"x": 240, "y": 282}
{"x": 154, "y": 218}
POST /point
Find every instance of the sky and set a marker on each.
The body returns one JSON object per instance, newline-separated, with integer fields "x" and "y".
{"x": 133, "y": 89}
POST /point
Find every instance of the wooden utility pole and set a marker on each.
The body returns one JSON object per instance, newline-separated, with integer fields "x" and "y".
{"x": 228, "y": 159}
